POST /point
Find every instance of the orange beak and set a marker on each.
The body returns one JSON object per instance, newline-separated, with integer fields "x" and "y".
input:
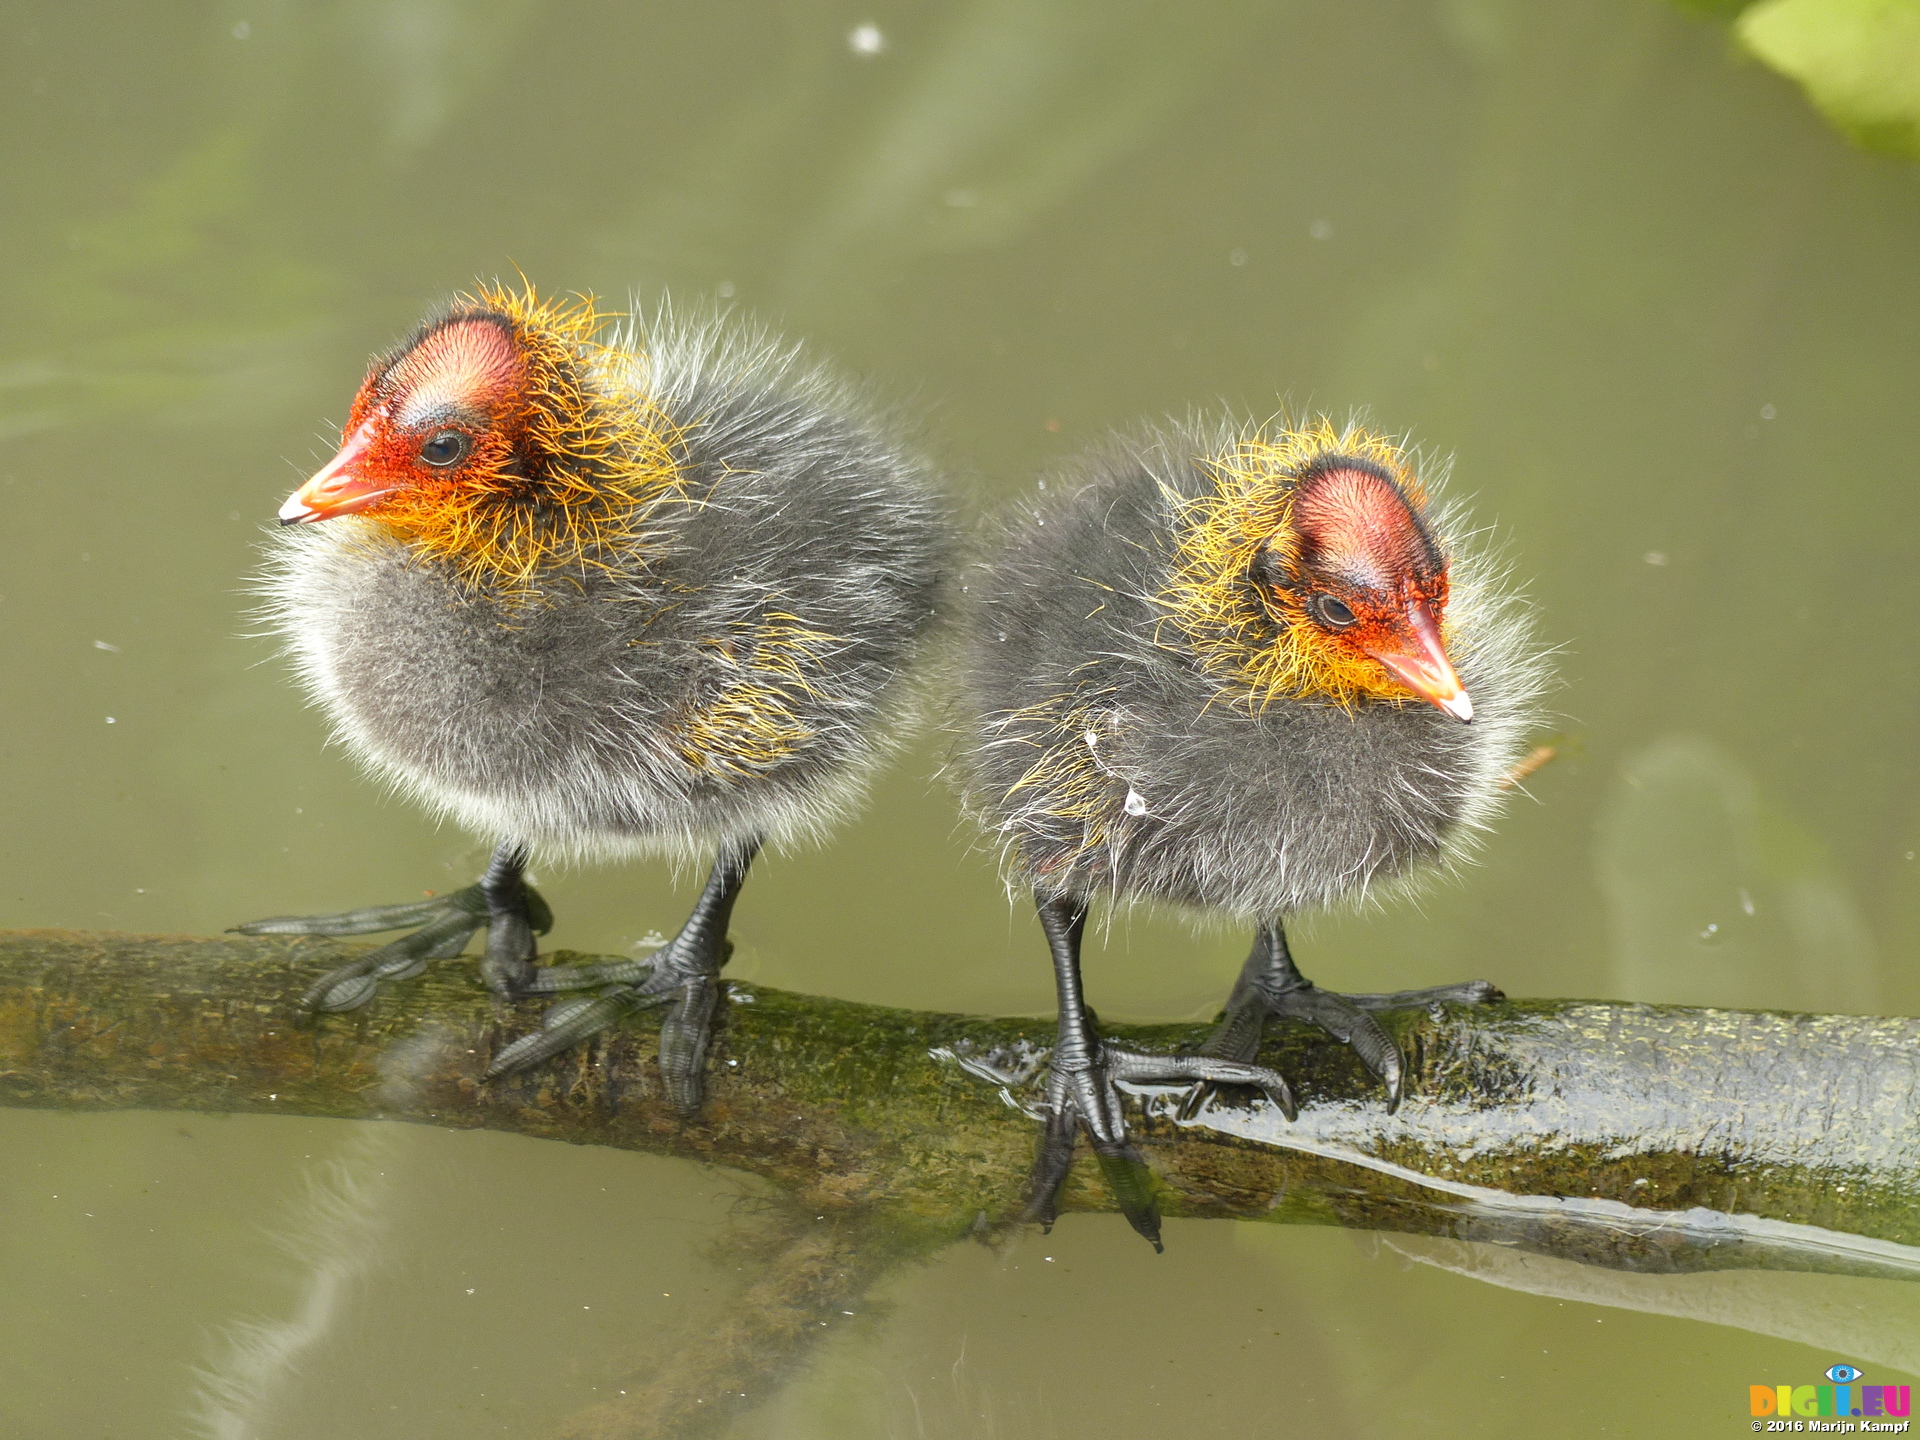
{"x": 1423, "y": 666}
{"x": 338, "y": 487}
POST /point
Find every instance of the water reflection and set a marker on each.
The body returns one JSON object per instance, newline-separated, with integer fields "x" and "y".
{"x": 1875, "y": 1319}
{"x": 330, "y": 1237}
{"x": 276, "y": 1278}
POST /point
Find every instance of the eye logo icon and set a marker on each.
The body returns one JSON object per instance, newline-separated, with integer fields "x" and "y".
{"x": 1872, "y": 1404}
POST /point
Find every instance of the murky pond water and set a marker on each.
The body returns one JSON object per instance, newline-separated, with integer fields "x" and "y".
{"x": 1667, "y": 323}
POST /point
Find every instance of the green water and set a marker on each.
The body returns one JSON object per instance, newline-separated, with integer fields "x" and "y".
{"x": 1665, "y": 320}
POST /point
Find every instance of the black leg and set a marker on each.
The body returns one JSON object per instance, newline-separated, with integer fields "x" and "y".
{"x": 1077, "y": 1090}
{"x": 1081, "y": 1093}
{"x": 507, "y": 966}
{"x": 683, "y": 975}
{"x": 1271, "y": 985}
{"x": 502, "y": 902}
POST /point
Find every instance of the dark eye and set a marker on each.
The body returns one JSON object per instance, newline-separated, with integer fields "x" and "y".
{"x": 1330, "y": 612}
{"x": 446, "y": 447}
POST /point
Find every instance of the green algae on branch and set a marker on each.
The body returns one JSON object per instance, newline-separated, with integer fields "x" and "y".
{"x": 1640, "y": 1137}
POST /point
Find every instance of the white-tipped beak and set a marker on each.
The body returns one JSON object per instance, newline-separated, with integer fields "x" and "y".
{"x": 338, "y": 487}
{"x": 1423, "y": 666}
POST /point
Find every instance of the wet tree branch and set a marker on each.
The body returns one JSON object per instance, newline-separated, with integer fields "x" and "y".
{"x": 1620, "y": 1117}
{"x": 1639, "y": 1137}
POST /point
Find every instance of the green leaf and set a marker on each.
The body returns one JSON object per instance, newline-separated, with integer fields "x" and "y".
{"x": 1858, "y": 60}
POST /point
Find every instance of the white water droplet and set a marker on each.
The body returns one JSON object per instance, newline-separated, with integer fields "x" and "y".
{"x": 866, "y": 39}
{"x": 1136, "y": 802}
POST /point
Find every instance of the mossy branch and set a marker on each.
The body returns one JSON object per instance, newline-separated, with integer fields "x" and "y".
{"x": 1632, "y": 1135}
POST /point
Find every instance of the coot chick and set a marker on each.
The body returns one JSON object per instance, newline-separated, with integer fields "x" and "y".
{"x": 1249, "y": 670}
{"x": 602, "y": 592}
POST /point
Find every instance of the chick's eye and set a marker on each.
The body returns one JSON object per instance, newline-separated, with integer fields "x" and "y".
{"x": 446, "y": 447}
{"x": 1330, "y": 612}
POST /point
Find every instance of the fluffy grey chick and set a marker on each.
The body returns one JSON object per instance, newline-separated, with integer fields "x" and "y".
{"x": 597, "y": 594}
{"x": 1229, "y": 666}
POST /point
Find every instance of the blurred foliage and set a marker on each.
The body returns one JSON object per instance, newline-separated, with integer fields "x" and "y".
{"x": 1724, "y": 9}
{"x": 1858, "y": 60}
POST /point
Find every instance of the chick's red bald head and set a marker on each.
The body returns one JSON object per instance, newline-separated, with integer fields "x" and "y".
{"x": 1369, "y": 578}
{"x": 441, "y": 411}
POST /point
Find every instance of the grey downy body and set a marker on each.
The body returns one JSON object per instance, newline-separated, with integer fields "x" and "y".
{"x": 576, "y": 721}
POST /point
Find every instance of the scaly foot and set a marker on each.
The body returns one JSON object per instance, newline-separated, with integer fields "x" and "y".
{"x": 683, "y": 975}
{"x": 1271, "y": 987}
{"x": 511, "y": 912}
{"x": 1081, "y": 1094}
{"x": 1082, "y": 1073}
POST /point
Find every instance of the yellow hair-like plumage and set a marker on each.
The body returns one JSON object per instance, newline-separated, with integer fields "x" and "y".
{"x": 1067, "y": 781}
{"x": 753, "y": 722}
